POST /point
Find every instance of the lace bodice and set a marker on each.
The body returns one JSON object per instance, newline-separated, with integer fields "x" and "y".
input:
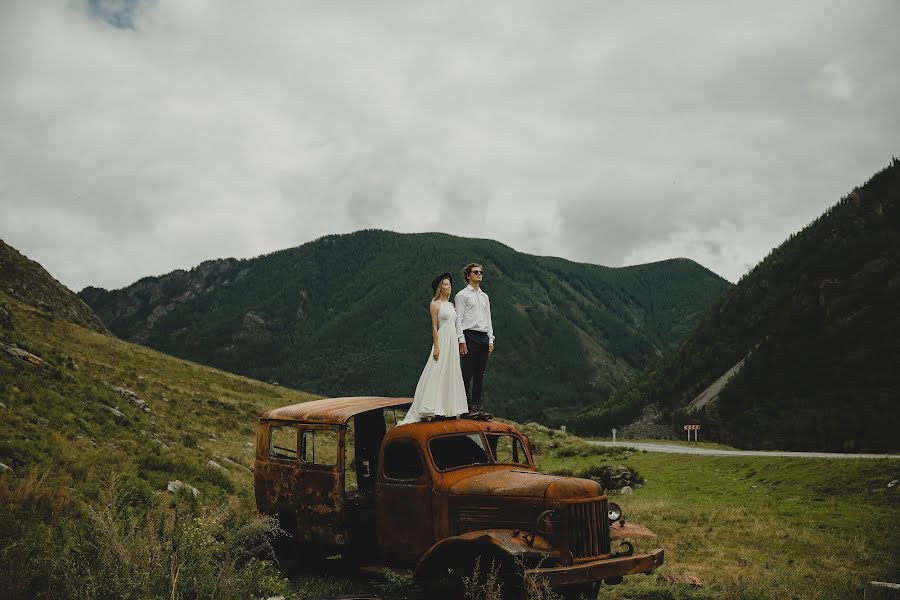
{"x": 446, "y": 315}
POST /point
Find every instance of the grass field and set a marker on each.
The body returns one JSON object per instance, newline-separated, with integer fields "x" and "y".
{"x": 752, "y": 527}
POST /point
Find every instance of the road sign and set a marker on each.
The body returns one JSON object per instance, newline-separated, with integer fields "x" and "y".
{"x": 689, "y": 428}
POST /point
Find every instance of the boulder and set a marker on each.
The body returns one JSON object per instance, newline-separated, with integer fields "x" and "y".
{"x": 213, "y": 464}
{"x": 115, "y": 412}
{"x": 175, "y": 486}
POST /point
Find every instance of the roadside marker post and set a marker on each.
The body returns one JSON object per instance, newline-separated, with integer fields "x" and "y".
{"x": 614, "y": 436}
{"x": 689, "y": 429}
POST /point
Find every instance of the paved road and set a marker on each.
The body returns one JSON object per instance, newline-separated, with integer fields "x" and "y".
{"x": 677, "y": 449}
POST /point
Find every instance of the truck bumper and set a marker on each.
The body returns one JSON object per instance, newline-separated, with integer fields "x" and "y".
{"x": 598, "y": 569}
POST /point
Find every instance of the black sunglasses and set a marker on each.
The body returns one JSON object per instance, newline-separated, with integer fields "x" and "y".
{"x": 477, "y": 272}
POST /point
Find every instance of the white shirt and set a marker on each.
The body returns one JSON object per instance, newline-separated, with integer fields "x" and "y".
{"x": 473, "y": 311}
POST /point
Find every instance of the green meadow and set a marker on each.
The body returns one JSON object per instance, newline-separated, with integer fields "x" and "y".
{"x": 84, "y": 513}
{"x": 752, "y": 527}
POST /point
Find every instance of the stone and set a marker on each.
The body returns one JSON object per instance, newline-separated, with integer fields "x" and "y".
{"x": 213, "y": 464}
{"x": 26, "y": 356}
{"x": 115, "y": 412}
{"x": 174, "y": 486}
{"x": 626, "y": 490}
{"x": 132, "y": 397}
{"x": 892, "y": 483}
{"x": 236, "y": 464}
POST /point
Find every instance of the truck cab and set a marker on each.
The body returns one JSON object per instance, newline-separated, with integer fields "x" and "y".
{"x": 436, "y": 497}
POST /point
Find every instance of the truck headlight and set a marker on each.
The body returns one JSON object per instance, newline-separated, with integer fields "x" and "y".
{"x": 615, "y": 512}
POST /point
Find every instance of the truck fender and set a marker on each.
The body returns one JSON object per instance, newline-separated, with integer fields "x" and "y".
{"x": 498, "y": 542}
{"x": 621, "y": 531}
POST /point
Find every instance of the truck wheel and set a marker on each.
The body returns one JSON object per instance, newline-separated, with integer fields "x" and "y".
{"x": 451, "y": 581}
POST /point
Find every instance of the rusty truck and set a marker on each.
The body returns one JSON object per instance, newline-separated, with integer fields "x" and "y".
{"x": 439, "y": 497}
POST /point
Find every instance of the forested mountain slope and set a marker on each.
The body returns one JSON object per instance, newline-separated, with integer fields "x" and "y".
{"x": 347, "y": 314}
{"x": 819, "y": 324}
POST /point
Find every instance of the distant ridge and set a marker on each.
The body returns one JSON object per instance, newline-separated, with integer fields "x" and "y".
{"x": 819, "y": 324}
{"x": 347, "y": 315}
{"x": 27, "y": 281}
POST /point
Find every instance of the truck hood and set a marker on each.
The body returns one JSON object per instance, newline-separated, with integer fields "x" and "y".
{"x": 525, "y": 484}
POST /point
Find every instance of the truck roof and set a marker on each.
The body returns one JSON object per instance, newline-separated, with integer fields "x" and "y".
{"x": 334, "y": 411}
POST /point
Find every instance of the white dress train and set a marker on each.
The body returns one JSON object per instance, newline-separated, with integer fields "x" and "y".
{"x": 440, "y": 391}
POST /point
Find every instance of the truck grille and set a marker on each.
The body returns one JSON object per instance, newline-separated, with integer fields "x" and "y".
{"x": 587, "y": 528}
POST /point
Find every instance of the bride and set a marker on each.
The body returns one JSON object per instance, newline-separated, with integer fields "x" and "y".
{"x": 440, "y": 391}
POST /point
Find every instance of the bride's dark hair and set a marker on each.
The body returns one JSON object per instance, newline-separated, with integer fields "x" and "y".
{"x": 436, "y": 283}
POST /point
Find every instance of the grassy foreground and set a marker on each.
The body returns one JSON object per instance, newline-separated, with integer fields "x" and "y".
{"x": 752, "y": 527}
{"x": 85, "y": 510}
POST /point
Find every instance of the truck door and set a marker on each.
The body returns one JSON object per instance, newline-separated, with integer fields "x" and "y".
{"x": 320, "y": 497}
{"x": 403, "y": 503}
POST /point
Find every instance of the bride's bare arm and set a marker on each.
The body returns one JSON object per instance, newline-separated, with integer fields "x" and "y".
{"x": 435, "y": 306}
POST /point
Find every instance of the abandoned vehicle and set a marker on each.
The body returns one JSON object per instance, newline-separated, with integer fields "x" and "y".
{"x": 436, "y": 497}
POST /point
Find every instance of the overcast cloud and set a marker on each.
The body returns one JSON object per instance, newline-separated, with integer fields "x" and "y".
{"x": 139, "y": 137}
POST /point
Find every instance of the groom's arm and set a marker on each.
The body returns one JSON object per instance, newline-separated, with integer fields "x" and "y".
{"x": 460, "y": 336}
{"x": 460, "y": 306}
{"x": 490, "y": 324}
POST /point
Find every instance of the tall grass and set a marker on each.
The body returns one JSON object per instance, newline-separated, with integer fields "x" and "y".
{"x": 173, "y": 548}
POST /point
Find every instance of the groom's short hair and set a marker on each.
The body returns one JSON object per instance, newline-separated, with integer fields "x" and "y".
{"x": 469, "y": 268}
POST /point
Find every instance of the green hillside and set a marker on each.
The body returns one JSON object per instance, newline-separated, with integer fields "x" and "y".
{"x": 819, "y": 324}
{"x": 347, "y": 314}
{"x": 27, "y": 281}
{"x": 85, "y": 512}
{"x": 93, "y": 430}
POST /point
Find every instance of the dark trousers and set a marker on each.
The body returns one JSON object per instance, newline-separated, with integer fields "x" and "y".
{"x": 473, "y": 364}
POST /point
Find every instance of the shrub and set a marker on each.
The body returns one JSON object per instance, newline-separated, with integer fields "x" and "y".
{"x": 176, "y": 549}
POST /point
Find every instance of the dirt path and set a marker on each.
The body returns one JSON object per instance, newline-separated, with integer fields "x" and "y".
{"x": 677, "y": 449}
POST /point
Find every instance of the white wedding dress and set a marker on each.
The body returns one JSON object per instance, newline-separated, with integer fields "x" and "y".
{"x": 440, "y": 391}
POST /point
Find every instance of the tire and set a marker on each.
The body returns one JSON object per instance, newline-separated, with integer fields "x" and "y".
{"x": 450, "y": 581}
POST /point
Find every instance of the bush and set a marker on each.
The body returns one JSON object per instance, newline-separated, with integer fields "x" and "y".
{"x": 174, "y": 549}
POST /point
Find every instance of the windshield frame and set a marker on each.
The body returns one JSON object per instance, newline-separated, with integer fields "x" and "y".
{"x": 485, "y": 445}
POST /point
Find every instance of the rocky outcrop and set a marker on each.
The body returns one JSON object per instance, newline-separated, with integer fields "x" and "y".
{"x": 27, "y": 357}
{"x": 152, "y": 299}
{"x": 132, "y": 397}
{"x": 649, "y": 425}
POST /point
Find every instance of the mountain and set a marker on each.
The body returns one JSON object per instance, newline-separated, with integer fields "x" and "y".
{"x": 28, "y": 282}
{"x": 803, "y": 352}
{"x": 348, "y": 314}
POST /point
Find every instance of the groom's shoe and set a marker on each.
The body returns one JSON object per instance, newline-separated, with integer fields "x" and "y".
{"x": 480, "y": 415}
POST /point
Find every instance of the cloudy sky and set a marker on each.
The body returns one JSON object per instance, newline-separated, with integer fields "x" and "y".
{"x": 141, "y": 136}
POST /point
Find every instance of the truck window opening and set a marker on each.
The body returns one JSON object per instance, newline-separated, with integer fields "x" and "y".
{"x": 449, "y": 452}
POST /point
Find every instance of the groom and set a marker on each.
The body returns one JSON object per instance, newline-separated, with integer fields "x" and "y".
{"x": 475, "y": 333}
